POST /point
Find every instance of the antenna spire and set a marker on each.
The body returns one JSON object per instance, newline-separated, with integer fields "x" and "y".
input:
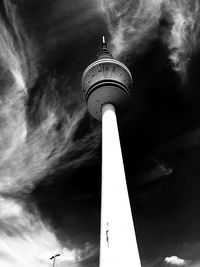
{"x": 104, "y": 52}
{"x": 104, "y": 45}
{"x": 104, "y": 39}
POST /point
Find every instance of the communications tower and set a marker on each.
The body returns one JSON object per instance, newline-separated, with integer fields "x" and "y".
{"x": 107, "y": 86}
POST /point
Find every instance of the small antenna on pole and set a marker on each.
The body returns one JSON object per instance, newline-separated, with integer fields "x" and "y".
{"x": 104, "y": 46}
{"x": 104, "y": 40}
{"x": 104, "y": 51}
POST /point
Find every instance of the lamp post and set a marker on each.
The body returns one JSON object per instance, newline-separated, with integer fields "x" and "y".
{"x": 54, "y": 258}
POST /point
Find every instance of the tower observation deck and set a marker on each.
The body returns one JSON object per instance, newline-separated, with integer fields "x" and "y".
{"x": 107, "y": 85}
{"x": 106, "y": 81}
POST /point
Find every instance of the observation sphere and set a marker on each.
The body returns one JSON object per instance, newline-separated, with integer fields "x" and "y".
{"x": 106, "y": 81}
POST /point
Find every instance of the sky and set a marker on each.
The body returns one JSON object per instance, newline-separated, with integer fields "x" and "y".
{"x": 50, "y": 147}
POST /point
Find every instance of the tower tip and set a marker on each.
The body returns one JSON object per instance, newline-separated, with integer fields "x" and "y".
{"x": 104, "y": 40}
{"x": 104, "y": 45}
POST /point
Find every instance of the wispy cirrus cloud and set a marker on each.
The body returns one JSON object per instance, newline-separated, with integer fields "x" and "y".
{"x": 29, "y": 151}
{"x": 133, "y": 24}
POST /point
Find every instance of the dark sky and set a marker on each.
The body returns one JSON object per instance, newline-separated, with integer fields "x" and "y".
{"x": 50, "y": 147}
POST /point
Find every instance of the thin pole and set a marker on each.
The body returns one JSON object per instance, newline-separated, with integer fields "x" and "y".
{"x": 118, "y": 246}
{"x": 54, "y": 259}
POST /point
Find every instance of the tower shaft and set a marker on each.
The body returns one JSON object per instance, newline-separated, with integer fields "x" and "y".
{"x": 118, "y": 246}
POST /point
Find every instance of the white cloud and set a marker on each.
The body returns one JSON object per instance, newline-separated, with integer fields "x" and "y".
{"x": 26, "y": 241}
{"x": 34, "y": 247}
{"x": 175, "y": 261}
{"x": 132, "y": 24}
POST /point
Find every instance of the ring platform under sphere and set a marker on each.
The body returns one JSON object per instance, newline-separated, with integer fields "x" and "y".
{"x": 106, "y": 81}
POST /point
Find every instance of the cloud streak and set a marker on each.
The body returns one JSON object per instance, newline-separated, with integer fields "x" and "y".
{"x": 29, "y": 150}
{"x": 133, "y": 24}
{"x": 26, "y": 241}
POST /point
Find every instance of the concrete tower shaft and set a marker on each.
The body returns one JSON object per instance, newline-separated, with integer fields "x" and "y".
{"x": 106, "y": 81}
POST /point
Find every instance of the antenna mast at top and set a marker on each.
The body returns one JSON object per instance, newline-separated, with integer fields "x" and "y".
{"x": 104, "y": 53}
{"x": 104, "y": 40}
{"x": 104, "y": 45}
